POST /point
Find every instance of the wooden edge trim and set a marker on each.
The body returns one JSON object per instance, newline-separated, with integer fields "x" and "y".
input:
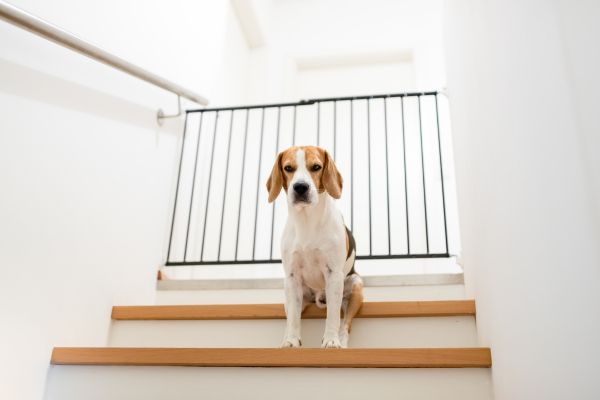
{"x": 276, "y": 311}
{"x": 270, "y": 357}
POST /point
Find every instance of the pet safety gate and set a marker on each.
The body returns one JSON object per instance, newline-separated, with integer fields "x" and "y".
{"x": 388, "y": 149}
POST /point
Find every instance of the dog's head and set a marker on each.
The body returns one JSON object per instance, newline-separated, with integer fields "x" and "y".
{"x": 307, "y": 171}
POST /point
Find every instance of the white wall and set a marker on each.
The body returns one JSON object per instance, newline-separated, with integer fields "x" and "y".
{"x": 86, "y": 175}
{"x": 358, "y": 33}
{"x": 581, "y": 32}
{"x": 350, "y": 80}
{"x": 523, "y": 83}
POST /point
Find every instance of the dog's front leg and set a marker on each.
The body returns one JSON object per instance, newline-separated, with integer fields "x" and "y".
{"x": 334, "y": 292}
{"x": 293, "y": 310}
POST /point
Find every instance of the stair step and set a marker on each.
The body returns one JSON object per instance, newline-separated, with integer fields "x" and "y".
{"x": 204, "y": 282}
{"x": 73, "y": 382}
{"x": 276, "y": 311}
{"x": 270, "y": 357}
{"x": 185, "y": 295}
{"x": 452, "y": 331}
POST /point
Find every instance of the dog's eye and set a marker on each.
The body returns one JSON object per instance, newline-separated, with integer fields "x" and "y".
{"x": 316, "y": 167}
{"x": 288, "y": 168}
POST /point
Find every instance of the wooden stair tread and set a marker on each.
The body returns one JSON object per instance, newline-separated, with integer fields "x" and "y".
{"x": 384, "y": 309}
{"x": 271, "y": 357}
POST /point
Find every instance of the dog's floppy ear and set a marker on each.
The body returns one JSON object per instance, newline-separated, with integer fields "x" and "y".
{"x": 275, "y": 181}
{"x": 332, "y": 179}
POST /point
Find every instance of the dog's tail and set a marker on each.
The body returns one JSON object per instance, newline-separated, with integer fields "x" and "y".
{"x": 351, "y": 253}
{"x": 320, "y": 300}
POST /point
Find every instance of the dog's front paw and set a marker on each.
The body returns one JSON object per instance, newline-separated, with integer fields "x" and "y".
{"x": 291, "y": 342}
{"x": 331, "y": 342}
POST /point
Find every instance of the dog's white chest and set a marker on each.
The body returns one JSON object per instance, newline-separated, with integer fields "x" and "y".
{"x": 311, "y": 266}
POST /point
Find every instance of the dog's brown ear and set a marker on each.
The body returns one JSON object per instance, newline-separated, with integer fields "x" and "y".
{"x": 332, "y": 179}
{"x": 275, "y": 181}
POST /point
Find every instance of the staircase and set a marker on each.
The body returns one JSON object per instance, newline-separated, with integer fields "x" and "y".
{"x": 414, "y": 341}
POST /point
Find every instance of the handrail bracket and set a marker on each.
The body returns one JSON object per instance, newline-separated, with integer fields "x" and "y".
{"x": 161, "y": 116}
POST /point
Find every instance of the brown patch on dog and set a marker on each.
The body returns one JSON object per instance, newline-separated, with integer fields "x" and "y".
{"x": 319, "y": 164}
{"x": 356, "y": 301}
{"x": 279, "y": 178}
{"x": 327, "y": 177}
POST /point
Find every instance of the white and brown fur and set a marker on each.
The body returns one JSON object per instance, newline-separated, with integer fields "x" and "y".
{"x": 317, "y": 249}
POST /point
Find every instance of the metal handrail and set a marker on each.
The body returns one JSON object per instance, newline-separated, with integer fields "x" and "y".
{"x": 29, "y": 22}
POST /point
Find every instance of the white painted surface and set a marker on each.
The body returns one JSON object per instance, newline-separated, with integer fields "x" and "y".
{"x": 366, "y": 268}
{"x": 342, "y": 29}
{"x": 578, "y": 24}
{"x": 125, "y": 383}
{"x": 277, "y": 283}
{"x": 268, "y": 296}
{"x": 366, "y": 332}
{"x": 85, "y": 172}
{"x": 355, "y": 78}
{"x": 523, "y": 81}
{"x": 247, "y": 13}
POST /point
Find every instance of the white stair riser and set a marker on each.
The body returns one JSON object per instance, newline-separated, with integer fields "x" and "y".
{"x": 183, "y": 383}
{"x": 250, "y": 296}
{"x": 457, "y": 331}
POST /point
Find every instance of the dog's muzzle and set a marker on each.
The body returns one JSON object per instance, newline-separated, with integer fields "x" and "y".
{"x": 301, "y": 191}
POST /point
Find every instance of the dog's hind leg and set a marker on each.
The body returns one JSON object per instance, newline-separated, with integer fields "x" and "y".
{"x": 353, "y": 299}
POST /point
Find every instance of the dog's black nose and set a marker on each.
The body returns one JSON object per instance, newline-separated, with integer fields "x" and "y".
{"x": 300, "y": 188}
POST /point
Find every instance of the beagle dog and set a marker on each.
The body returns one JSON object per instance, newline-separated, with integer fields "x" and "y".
{"x": 317, "y": 249}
